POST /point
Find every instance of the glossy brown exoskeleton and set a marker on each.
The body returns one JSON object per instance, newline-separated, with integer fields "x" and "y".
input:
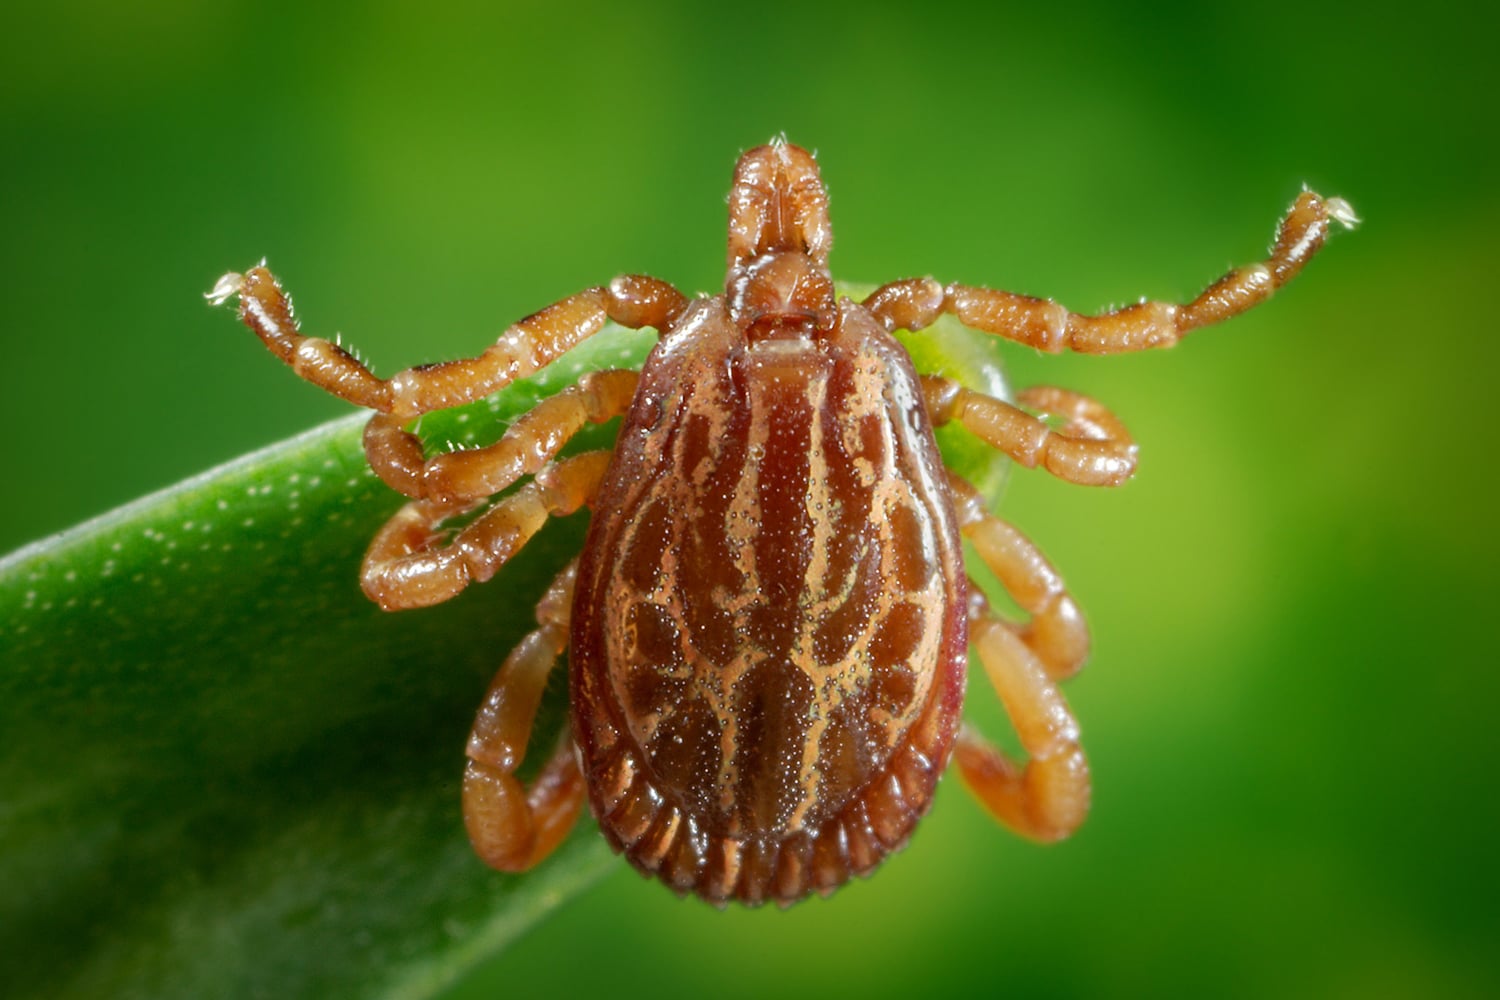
{"x": 769, "y": 621}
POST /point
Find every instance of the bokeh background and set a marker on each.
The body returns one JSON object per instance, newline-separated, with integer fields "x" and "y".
{"x": 1290, "y": 712}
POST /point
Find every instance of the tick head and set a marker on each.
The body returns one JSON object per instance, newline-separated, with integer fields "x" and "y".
{"x": 778, "y": 282}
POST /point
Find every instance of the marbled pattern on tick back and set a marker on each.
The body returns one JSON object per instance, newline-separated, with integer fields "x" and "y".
{"x": 771, "y": 611}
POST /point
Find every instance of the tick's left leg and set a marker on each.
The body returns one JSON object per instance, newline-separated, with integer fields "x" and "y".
{"x": 513, "y": 827}
{"x": 1041, "y": 323}
{"x": 525, "y": 347}
{"x": 411, "y": 565}
{"x": 533, "y": 440}
{"x": 1047, "y": 797}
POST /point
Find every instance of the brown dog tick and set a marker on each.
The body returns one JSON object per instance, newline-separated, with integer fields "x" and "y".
{"x": 769, "y": 622}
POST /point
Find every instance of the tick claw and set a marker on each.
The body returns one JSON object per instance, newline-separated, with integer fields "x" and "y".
{"x": 225, "y": 288}
{"x": 1341, "y": 210}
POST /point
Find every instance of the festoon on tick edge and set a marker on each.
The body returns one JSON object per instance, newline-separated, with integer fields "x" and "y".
{"x": 769, "y": 623}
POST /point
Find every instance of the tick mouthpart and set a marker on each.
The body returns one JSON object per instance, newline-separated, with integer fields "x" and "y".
{"x": 778, "y": 203}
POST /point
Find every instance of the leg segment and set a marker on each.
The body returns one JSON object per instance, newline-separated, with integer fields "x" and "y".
{"x": 1056, "y": 633}
{"x": 1047, "y": 797}
{"x": 1041, "y": 323}
{"x": 631, "y": 300}
{"x": 534, "y": 439}
{"x": 513, "y": 827}
{"x": 1092, "y": 448}
{"x": 407, "y": 567}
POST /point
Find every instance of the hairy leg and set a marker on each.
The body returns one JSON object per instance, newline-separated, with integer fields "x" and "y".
{"x": 630, "y": 300}
{"x": 915, "y": 303}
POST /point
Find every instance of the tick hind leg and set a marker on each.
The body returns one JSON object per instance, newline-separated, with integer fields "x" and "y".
{"x": 512, "y": 826}
{"x": 1047, "y": 797}
{"x": 915, "y": 303}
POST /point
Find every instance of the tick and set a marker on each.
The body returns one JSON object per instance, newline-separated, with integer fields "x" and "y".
{"x": 768, "y": 625}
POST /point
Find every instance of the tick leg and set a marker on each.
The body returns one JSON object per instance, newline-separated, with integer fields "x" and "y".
{"x": 1047, "y": 797}
{"x": 513, "y": 827}
{"x": 1092, "y": 447}
{"x": 534, "y": 439}
{"x": 630, "y": 300}
{"x": 1056, "y": 632}
{"x": 407, "y": 566}
{"x": 1041, "y": 323}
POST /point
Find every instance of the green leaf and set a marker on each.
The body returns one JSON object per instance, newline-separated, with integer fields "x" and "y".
{"x": 226, "y": 773}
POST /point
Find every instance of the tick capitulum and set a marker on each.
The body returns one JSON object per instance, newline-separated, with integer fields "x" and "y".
{"x": 769, "y": 621}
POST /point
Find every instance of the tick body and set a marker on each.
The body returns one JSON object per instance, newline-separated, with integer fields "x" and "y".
{"x": 769, "y": 628}
{"x": 769, "y": 622}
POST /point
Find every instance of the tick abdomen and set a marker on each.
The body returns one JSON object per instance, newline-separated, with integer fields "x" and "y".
{"x": 769, "y": 622}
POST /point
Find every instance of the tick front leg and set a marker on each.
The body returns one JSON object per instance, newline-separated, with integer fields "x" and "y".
{"x": 408, "y": 567}
{"x": 1041, "y": 323}
{"x": 1091, "y": 448}
{"x": 531, "y": 442}
{"x": 1048, "y": 797}
{"x": 631, "y": 300}
{"x": 513, "y": 827}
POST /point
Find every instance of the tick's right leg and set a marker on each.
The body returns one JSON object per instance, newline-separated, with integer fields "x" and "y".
{"x": 511, "y": 826}
{"x": 915, "y": 303}
{"x": 1046, "y": 797}
{"x": 1091, "y": 448}
{"x": 630, "y": 300}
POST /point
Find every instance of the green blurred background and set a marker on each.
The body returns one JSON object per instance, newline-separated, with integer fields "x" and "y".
{"x": 1290, "y": 708}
